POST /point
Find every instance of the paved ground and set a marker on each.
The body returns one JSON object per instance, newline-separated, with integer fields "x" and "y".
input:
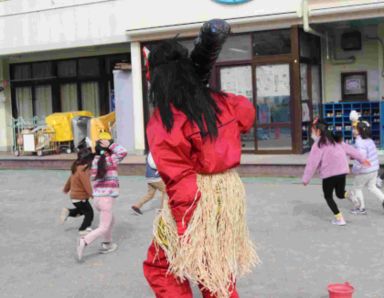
{"x": 301, "y": 251}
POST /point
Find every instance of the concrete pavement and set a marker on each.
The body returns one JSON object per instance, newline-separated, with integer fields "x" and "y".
{"x": 301, "y": 251}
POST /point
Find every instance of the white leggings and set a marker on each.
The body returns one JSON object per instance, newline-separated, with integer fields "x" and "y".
{"x": 368, "y": 180}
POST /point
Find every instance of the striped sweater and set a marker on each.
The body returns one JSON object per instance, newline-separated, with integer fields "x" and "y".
{"x": 368, "y": 149}
{"x": 109, "y": 185}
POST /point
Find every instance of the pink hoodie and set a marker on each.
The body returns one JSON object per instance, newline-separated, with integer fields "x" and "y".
{"x": 330, "y": 160}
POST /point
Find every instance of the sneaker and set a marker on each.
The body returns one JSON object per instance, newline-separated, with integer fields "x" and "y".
{"x": 107, "y": 247}
{"x": 339, "y": 222}
{"x": 64, "y": 215}
{"x": 362, "y": 211}
{"x": 80, "y": 248}
{"x": 379, "y": 182}
{"x": 85, "y": 232}
{"x": 137, "y": 210}
{"x": 358, "y": 211}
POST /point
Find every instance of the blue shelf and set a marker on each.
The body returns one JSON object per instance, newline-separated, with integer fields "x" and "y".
{"x": 337, "y": 116}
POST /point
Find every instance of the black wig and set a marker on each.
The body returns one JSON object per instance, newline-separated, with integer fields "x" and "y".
{"x": 173, "y": 80}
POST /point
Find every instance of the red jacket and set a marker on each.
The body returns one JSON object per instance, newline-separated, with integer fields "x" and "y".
{"x": 182, "y": 153}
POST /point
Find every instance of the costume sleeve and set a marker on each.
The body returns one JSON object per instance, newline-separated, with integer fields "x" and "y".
{"x": 313, "y": 163}
{"x": 171, "y": 153}
{"x": 244, "y": 110}
{"x": 67, "y": 186}
{"x": 86, "y": 182}
{"x": 118, "y": 153}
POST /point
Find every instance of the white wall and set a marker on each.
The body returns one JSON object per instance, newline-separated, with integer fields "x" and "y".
{"x": 5, "y": 112}
{"x": 37, "y": 25}
{"x": 367, "y": 59}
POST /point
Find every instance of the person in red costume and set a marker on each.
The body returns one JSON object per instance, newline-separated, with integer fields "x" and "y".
{"x": 201, "y": 235}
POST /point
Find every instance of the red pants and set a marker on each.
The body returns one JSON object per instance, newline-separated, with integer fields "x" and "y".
{"x": 165, "y": 285}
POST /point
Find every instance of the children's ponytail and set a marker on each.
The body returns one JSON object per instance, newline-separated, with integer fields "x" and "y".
{"x": 101, "y": 167}
{"x": 364, "y": 129}
{"x": 84, "y": 157}
{"x": 326, "y": 136}
{"x": 102, "y": 162}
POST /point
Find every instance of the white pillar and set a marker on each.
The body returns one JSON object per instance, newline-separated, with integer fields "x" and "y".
{"x": 138, "y": 107}
{"x": 6, "y": 132}
{"x": 125, "y": 127}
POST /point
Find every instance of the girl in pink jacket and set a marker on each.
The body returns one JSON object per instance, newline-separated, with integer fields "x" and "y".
{"x": 331, "y": 160}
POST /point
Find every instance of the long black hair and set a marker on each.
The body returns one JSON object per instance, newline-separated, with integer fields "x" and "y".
{"x": 326, "y": 136}
{"x": 84, "y": 157}
{"x": 364, "y": 129}
{"x": 102, "y": 162}
{"x": 173, "y": 80}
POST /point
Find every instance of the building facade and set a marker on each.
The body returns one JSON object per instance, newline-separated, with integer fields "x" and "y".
{"x": 288, "y": 57}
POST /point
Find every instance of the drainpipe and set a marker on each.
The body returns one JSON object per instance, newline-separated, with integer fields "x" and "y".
{"x": 381, "y": 44}
{"x": 330, "y": 54}
{"x": 305, "y": 14}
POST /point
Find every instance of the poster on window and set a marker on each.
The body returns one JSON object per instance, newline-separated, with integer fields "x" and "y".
{"x": 305, "y": 112}
{"x": 237, "y": 80}
{"x": 273, "y": 80}
{"x": 304, "y": 81}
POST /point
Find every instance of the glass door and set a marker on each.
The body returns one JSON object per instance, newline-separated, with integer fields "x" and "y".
{"x": 238, "y": 80}
{"x": 273, "y": 100}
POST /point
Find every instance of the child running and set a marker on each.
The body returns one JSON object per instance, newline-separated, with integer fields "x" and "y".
{"x": 365, "y": 176}
{"x": 80, "y": 190}
{"x": 330, "y": 158}
{"x": 154, "y": 183}
{"x": 105, "y": 191}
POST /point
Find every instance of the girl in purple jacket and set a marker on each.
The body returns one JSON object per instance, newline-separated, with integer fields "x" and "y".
{"x": 365, "y": 176}
{"x": 330, "y": 159}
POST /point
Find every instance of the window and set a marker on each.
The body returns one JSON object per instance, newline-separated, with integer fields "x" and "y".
{"x": 89, "y": 67}
{"x": 310, "y": 46}
{"x": 42, "y": 88}
{"x": 237, "y": 47}
{"x": 42, "y": 70}
{"x": 90, "y": 97}
{"x": 24, "y": 103}
{"x": 68, "y": 96}
{"x": 273, "y": 42}
{"x": 238, "y": 80}
{"x": 22, "y": 72}
{"x": 67, "y": 69}
{"x": 43, "y": 101}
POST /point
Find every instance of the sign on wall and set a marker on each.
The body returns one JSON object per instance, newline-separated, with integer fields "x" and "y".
{"x": 231, "y": 1}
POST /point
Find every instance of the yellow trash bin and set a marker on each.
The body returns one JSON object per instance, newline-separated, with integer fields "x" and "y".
{"x": 101, "y": 124}
{"x": 62, "y": 124}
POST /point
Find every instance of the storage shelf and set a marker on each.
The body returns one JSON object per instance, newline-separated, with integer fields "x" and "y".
{"x": 337, "y": 117}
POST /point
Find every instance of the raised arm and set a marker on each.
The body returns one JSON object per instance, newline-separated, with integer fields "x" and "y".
{"x": 118, "y": 153}
{"x": 244, "y": 110}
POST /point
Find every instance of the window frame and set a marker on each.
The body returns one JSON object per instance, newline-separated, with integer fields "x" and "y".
{"x": 104, "y": 80}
